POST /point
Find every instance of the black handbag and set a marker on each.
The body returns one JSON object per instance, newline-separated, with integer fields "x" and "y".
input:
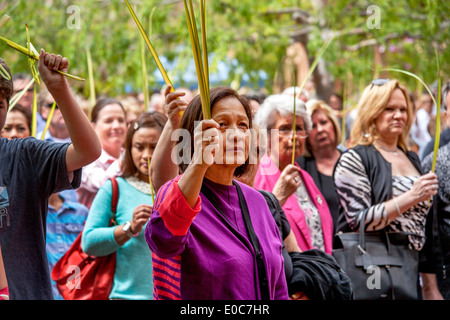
{"x": 381, "y": 265}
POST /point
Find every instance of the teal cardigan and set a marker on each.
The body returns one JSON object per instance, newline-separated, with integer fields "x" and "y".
{"x": 133, "y": 276}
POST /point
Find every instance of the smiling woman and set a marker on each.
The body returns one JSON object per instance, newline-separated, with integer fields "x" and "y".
{"x": 109, "y": 121}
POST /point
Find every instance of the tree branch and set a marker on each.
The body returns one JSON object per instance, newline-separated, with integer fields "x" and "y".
{"x": 371, "y": 42}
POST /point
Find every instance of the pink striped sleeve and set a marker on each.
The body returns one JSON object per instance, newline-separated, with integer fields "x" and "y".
{"x": 166, "y": 278}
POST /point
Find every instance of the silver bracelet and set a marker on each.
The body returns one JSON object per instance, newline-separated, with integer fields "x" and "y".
{"x": 396, "y": 205}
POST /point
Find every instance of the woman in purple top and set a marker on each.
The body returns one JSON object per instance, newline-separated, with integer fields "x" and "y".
{"x": 199, "y": 215}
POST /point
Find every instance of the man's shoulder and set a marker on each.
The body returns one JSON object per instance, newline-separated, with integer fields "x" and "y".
{"x": 10, "y": 149}
{"x": 444, "y": 139}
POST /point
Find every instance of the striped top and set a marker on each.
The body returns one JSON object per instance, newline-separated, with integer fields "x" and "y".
{"x": 166, "y": 278}
{"x": 354, "y": 190}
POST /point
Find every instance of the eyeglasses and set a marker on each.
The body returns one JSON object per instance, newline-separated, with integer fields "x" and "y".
{"x": 286, "y": 131}
{"x": 379, "y": 82}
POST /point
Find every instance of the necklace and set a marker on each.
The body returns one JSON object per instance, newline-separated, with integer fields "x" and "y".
{"x": 395, "y": 151}
{"x": 138, "y": 184}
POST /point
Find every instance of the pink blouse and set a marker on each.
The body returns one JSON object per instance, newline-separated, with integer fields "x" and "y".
{"x": 266, "y": 178}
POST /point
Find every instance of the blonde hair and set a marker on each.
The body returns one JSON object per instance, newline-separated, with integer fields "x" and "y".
{"x": 371, "y": 104}
{"x": 313, "y": 106}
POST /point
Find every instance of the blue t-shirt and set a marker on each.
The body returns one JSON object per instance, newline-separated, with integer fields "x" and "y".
{"x": 30, "y": 170}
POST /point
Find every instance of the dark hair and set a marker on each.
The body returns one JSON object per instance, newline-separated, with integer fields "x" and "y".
{"x": 194, "y": 113}
{"x": 6, "y": 86}
{"x": 21, "y": 76}
{"x": 337, "y": 95}
{"x": 100, "y": 104}
{"x": 258, "y": 97}
{"x": 25, "y": 111}
{"x": 153, "y": 119}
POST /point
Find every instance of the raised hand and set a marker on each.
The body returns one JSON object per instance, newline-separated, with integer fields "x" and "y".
{"x": 206, "y": 142}
{"x": 174, "y": 105}
{"x": 48, "y": 64}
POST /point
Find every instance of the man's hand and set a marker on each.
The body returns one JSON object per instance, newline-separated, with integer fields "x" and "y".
{"x": 48, "y": 64}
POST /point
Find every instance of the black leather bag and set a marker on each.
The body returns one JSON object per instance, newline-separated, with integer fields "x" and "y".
{"x": 381, "y": 265}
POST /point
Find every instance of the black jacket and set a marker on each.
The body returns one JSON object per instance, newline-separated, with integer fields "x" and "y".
{"x": 313, "y": 272}
{"x": 319, "y": 276}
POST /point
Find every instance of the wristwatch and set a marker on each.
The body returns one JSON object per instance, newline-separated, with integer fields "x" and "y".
{"x": 127, "y": 229}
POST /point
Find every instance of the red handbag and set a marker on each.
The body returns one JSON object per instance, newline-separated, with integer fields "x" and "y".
{"x": 79, "y": 276}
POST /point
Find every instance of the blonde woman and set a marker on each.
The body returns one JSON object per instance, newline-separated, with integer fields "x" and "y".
{"x": 321, "y": 152}
{"x": 378, "y": 176}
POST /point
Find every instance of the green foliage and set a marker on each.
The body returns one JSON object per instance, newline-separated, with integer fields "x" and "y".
{"x": 249, "y": 35}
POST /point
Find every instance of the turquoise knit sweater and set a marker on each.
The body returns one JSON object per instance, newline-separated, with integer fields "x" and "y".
{"x": 133, "y": 276}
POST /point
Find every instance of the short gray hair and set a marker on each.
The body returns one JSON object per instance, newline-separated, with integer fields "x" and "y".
{"x": 283, "y": 105}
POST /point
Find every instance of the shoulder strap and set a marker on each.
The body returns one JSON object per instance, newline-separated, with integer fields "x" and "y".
{"x": 263, "y": 283}
{"x": 114, "y": 200}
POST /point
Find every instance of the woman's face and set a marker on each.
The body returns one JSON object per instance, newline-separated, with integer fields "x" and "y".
{"x": 111, "y": 128}
{"x": 15, "y": 126}
{"x": 392, "y": 121}
{"x": 143, "y": 144}
{"x": 234, "y": 136}
{"x": 322, "y": 133}
{"x": 282, "y": 147}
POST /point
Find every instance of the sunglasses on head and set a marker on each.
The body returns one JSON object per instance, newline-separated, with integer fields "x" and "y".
{"x": 379, "y": 82}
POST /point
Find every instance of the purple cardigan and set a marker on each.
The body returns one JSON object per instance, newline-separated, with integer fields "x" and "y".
{"x": 217, "y": 258}
{"x": 266, "y": 178}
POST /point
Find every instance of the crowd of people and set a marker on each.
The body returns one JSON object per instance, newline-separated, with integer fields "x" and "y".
{"x": 240, "y": 206}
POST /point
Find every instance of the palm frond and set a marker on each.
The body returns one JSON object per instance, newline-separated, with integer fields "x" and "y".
{"x": 150, "y": 46}
{"x": 35, "y": 56}
{"x": 49, "y": 120}
{"x": 201, "y": 60}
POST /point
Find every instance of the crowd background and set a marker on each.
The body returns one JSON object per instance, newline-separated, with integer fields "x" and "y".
{"x": 329, "y": 105}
